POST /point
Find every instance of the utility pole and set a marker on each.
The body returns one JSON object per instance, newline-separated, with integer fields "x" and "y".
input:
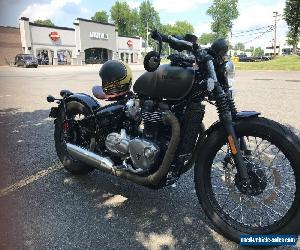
{"x": 276, "y": 14}
{"x": 230, "y": 43}
{"x": 147, "y": 39}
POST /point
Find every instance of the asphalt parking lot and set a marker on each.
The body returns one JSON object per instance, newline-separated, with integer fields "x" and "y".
{"x": 44, "y": 207}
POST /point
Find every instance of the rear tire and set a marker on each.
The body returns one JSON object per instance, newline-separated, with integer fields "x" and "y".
{"x": 281, "y": 138}
{"x": 70, "y": 164}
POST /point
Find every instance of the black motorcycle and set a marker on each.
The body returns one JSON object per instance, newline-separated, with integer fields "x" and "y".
{"x": 246, "y": 167}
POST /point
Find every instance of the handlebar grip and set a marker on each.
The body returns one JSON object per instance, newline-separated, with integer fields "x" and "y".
{"x": 174, "y": 42}
{"x": 157, "y": 36}
{"x": 179, "y": 44}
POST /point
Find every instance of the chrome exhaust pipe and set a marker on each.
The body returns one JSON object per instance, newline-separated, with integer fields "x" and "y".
{"x": 90, "y": 158}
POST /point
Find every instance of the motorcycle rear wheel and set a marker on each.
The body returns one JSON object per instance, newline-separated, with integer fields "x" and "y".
{"x": 64, "y": 132}
{"x": 274, "y": 205}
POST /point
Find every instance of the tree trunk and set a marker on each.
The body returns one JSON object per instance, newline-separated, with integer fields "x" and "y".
{"x": 295, "y": 49}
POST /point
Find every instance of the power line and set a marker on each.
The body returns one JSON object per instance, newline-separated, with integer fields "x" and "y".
{"x": 251, "y": 34}
{"x": 246, "y": 31}
{"x": 269, "y": 30}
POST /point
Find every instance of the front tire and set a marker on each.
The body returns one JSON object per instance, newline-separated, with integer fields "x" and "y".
{"x": 62, "y": 135}
{"x": 232, "y": 210}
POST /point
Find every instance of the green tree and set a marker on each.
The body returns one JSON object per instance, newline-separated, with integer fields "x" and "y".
{"x": 251, "y": 49}
{"x": 166, "y": 29}
{"x": 258, "y": 52}
{"x": 149, "y": 17}
{"x": 120, "y": 13}
{"x": 100, "y": 16}
{"x": 44, "y": 22}
{"x": 292, "y": 18}
{"x": 223, "y": 12}
{"x": 239, "y": 46}
{"x": 207, "y": 38}
{"x": 134, "y": 20}
{"x": 181, "y": 28}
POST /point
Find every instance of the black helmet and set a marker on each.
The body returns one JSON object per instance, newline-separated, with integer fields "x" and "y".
{"x": 220, "y": 47}
{"x": 116, "y": 77}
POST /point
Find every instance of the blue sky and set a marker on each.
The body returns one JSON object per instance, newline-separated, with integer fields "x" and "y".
{"x": 253, "y": 14}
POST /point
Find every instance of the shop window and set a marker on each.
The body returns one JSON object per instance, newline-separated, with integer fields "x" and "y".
{"x": 64, "y": 57}
{"x": 96, "y": 55}
{"x": 44, "y": 57}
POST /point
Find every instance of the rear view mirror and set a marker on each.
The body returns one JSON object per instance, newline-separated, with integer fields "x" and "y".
{"x": 191, "y": 38}
{"x": 151, "y": 61}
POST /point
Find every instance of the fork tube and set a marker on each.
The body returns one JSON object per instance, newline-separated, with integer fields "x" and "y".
{"x": 226, "y": 119}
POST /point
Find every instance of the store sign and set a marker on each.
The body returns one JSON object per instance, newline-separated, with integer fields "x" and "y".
{"x": 98, "y": 35}
{"x": 54, "y": 36}
{"x": 129, "y": 43}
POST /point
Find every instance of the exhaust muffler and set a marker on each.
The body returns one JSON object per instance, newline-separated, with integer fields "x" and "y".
{"x": 90, "y": 158}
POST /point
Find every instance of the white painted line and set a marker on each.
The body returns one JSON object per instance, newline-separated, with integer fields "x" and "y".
{"x": 30, "y": 179}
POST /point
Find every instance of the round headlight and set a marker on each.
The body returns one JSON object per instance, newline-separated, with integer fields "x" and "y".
{"x": 230, "y": 72}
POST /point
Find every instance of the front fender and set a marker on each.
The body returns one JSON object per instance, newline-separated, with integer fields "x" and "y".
{"x": 240, "y": 116}
{"x": 243, "y": 115}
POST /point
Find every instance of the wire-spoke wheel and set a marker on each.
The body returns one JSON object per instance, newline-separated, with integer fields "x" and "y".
{"x": 272, "y": 158}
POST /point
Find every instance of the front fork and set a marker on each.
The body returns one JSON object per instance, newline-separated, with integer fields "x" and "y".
{"x": 225, "y": 115}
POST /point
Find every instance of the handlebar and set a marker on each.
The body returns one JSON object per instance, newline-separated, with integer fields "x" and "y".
{"x": 174, "y": 42}
{"x": 180, "y": 44}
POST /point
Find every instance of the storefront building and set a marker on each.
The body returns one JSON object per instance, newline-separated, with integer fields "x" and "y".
{"x": 129, "y": 49}
{"x": 88, "y": 42}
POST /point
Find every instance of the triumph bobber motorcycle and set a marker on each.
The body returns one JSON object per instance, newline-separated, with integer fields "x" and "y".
{"x": 246, "y": 167}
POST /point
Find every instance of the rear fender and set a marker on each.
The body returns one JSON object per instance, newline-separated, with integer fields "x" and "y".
{"x": 88, "y": 101}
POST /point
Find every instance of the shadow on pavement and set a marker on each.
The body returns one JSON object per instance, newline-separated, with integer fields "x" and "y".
{"x": 97, "y": 211}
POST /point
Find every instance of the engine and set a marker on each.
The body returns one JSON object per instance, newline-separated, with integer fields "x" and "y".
{"x": 140, "y": 150}
{"x": 138, "y": 154}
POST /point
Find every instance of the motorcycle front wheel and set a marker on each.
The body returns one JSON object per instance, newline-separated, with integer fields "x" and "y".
{"x": 272, "y": 205}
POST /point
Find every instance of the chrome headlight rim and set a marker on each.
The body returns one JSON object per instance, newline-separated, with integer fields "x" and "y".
{"x": 229, "y": 66}
{"x": 229, "y": 72}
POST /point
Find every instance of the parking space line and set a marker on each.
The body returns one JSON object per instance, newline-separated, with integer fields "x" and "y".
{"x": 30, "y": 179}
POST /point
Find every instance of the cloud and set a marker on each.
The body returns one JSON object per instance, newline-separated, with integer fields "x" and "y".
{"x": 84, "y": 10}
{"x": 256, "y": 15}
{"x": 175, "y": 6}
{"x": 54, "y": 9}
{"x": 203, "y": 27}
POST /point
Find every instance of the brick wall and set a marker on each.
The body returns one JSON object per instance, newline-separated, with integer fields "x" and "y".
{"x": 10, "y": 44}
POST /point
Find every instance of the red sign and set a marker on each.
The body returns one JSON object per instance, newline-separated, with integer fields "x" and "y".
{"x": 129, "y": 43}
{"x": 54, "y": 36}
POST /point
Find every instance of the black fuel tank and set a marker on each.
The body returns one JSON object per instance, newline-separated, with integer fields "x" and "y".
{"x": 170, "y": 82}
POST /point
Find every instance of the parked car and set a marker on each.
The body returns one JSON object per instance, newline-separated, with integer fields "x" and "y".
{"x": 245, "y": 58}
{"x": 26, "y": 60}
{"x": 262, "y": 58}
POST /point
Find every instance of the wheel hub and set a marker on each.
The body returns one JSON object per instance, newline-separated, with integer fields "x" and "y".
{"x": 257, "y": 183}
